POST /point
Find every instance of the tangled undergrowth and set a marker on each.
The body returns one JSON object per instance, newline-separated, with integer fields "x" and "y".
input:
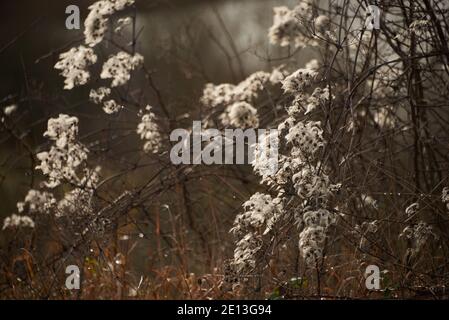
{"x": 361, "y": 179}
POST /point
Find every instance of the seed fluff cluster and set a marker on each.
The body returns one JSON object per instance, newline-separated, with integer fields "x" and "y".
{"x": 261, "y": 212}
{"x": 148, "y": 131}
{"x": 96, "y": 23}
{"x": 238, "y": 100}
{"x": 61, "y": 162}
{"x": 118, "y": 67}
{"x": 73, "y": 65}
{"x": 304, "y": 189}
{"x": 289, "y": 25}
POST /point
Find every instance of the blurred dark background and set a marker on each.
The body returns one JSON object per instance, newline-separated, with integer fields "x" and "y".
{"x": 186, "y": 43}
{"x": 33, "y": 29}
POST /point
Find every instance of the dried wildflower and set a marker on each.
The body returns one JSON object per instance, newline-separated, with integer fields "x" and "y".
{"x": 121, "y": 4}
{"x": 97, "y": 96}
{"x": 62, "y": 130}
{"x": 246, "y": 91}
{"x": 37, "y": 202}
{"x": 300, "y": 173}
{"x": 122, "y": 23}
{"x": 79, "y": 200}
{"x": 73, "y": 64}
{"x": 306, "y": 136}
{"x": 309, "y": 184}
{"x": 419, "y": 234}
{"x": 10, "y": 109}
{"x": 249, "y": 89}
{"x": 320, "y": 217}
{"x": 15, "y": 221}
{"x": 118, "y": 67}
{"x": 60, "y": 164}
{"x": 149, "y": 131}
{"x": 319, "y": 96}
{"x": 245, "y": 252}
{"x": 111, "y": 107}
{"x": 66, "y": 155}
{"x": 322, "y": 23}
{"x": 288, "y": 25}
{"x": 266, "y": 157}
{"x": 298, "y": 80}
{"x": 261, "y": 212}
{"x": 412, "y": 209}
{"x": 214, "y": 96}
{"x": 287, "y": 167}
{"x": 445, "y": 196}
{"x": 311, "y": 241}
{"x": 96, "y": 23}
{"x": 240, "y": 115}
{"x": 74, "y": 202}
{"x": 304, "y": 104}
